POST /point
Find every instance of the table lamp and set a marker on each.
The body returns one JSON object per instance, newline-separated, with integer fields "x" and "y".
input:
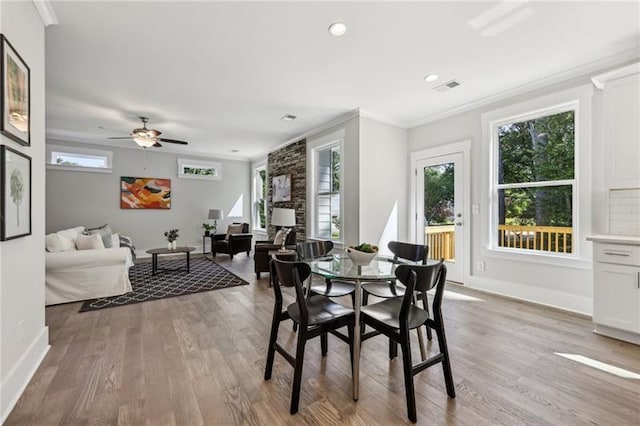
{"x": 215, "y": 214}
{"x": 286, "y": 219}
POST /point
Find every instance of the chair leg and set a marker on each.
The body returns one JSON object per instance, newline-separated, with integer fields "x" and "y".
{"x": 350, "y": 334}
{"x": 258, "y": 275}
{"x": 297, "y": 374}
{"x": 324, "y": 343}
{"x": 393, "y": 349}
{"x": 231, "y": 256}
{"x": 271, "y": 351}
{"x": 421, "y": 344}
{"x": 365, "y": 301}
{"x": 408, "y": 376}
{"x": 446, "y": 364}
{"x": 425, "y": 305}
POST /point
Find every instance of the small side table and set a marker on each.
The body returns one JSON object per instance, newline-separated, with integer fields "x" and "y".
{"x": 204, "y": 240}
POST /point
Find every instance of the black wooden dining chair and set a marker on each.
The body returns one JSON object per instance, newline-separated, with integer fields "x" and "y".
{"x": 394, "y": 318}
{"x": 401, "y": 252}
{"x": 316, "y": 316}
{"x": 312, "y": 250}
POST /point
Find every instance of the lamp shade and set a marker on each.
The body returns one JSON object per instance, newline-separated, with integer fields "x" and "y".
{"x": 283, "y": 217}
{"x": 215, "y": 214}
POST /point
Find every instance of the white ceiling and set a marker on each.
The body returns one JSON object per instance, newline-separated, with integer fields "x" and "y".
{"x": 221, "y": 74}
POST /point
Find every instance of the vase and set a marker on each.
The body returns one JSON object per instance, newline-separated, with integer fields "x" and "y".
{"x": 169, "y": 245}
{"x": 360, "y": 258}
{"x": 174, "y": 245}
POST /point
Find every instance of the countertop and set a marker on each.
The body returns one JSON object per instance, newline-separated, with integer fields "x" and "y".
{"x": 615, "y": 239}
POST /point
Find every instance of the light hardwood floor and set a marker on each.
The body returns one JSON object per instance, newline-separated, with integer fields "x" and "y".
{"x": 199, "y": 359}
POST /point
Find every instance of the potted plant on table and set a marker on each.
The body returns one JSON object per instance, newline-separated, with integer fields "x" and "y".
{"x": 172, "y": 236}
{"x": 207, "y": 229}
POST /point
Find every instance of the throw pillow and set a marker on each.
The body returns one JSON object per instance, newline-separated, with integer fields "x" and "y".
{"x": 89, "y": 242}
{"x": 53, "y": 243}
{"x": 68, "y": 237}
{"x": 105, "y": 233}
{"x": 235, "y": 228}
{"x": 279, "y": 238}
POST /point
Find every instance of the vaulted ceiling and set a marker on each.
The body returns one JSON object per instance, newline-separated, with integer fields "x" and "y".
{"x": 221, "y": 74}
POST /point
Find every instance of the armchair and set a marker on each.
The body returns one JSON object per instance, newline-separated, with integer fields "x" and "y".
{"x": 236, "y": 240}
{"x": 261, "y": 252}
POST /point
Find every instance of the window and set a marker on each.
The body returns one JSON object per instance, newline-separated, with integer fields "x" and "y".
{"x": 79, "y": 159}
{"x": 260, "y": 195}
{"x": 195, "y": 169}
{"x": 534, "y": 184}
{"x": 328, "y": 173}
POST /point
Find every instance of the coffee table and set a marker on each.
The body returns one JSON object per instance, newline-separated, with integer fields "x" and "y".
{"x": 163, "y": 250}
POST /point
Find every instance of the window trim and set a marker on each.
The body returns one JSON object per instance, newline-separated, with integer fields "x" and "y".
{"x": 184, "y": 162}
{"x": 314, "y": 147}
{"x": 580, "y": 96}
{"x": 256, "y": 199}
{"x": 69, "y": 150}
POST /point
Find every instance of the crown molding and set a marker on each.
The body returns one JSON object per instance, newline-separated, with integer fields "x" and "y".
{"x": 600, "y": 79}
{"x": 46, "y": 12}
{"x": 383, "y": 119}
{"x": 585, "y": 69}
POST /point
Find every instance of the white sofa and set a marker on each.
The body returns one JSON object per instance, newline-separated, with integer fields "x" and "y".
{"x": 72, "y": 275}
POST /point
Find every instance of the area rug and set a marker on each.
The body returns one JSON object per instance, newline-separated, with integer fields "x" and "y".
{"x": 204, "y": 275}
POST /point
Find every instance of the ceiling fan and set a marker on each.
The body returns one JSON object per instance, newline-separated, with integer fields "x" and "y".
{"x": 148, "y": 137}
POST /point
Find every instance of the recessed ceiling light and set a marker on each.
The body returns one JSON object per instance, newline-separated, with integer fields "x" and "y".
{"x": 234, "y": 150}
{"x": 288, "y": 117}
{"x": 431, "y": 78}
{"x": 337, "y": 28}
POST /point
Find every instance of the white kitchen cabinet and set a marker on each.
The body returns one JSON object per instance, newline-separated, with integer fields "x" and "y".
{"x": 616, "y": 293}
{"x": 621, "y": 126}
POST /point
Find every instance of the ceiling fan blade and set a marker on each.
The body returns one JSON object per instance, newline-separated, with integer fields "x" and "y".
{"x": 120, "y": 137}
{"x": 157, "y": 145}
{"x": 173, "y": 141}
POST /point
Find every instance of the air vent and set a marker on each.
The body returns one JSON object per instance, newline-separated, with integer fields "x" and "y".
{"x": 446, "y": 86}
{"x": 288, "y": 117}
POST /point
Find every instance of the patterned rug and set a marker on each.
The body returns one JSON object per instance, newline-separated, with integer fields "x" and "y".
{"x": 204, "y": 275}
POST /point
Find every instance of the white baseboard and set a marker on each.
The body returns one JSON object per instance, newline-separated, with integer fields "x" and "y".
{"x": 19, "y": 376}
{"x": 555, "y": 299}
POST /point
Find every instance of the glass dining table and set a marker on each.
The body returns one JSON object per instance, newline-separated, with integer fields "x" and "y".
{"x": 340, "y": 266}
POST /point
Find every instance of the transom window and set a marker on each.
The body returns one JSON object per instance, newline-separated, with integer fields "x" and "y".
{"x": 79, "y": 159}
{"x": 196, "y": 169}
{"x": 534, "y": 185}
{"x": 328, "y": 175}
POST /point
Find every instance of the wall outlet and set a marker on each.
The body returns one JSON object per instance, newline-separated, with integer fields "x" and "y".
{"x": 481, "y": 266}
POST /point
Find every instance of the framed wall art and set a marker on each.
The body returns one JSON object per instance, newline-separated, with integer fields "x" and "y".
{"x": 15, "y": 198}
{"x": 145, "y": 193}
{"x": 281, "y": 188}
{"x": 15, "y": 103}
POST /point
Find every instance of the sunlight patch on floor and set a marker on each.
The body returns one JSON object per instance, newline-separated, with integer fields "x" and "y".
{"x": 608, "y": 368}
{"x": 462, "y": 297}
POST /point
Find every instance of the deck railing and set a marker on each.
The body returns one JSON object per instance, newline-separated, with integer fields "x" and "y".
{"x": 441, "y": 241}
{"x": 554, "y": 239}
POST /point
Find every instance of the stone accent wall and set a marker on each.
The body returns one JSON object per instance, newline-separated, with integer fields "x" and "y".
{"x": 292, "y": 159}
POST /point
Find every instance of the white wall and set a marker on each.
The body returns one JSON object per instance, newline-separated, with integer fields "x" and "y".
{"x": 383, "y": 159}
{"x": 93, "y": 199}
{"x": 23, "y": 334}
{"x": 565, "y": 285}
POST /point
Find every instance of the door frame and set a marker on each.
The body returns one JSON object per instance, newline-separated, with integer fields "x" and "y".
{"x": 464, "y": 148}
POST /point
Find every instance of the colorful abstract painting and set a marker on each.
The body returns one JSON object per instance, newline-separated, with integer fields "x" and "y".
{"x": 145, "y": 193}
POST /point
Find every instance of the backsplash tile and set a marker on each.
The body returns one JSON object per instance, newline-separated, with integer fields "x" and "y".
{"x": 624, "y": 212}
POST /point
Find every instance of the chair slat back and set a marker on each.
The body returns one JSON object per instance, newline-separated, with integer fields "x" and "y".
{"x": 407, "y": 251}
{"x": 291, "y": 274}
{"x": 310, "y": 250}
{"x": 424, "y": 277}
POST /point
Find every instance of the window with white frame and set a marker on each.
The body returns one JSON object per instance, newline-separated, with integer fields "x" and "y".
{"x": 328, "y": 192}
{"x": 197, "y": 169}
{"x": 79, "y": 159}
{"x": 534, "y": 194}
{"x": 260, "y": 196}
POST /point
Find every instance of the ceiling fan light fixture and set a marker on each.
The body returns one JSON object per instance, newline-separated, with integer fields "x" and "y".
{"x": 144, "y": 141}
